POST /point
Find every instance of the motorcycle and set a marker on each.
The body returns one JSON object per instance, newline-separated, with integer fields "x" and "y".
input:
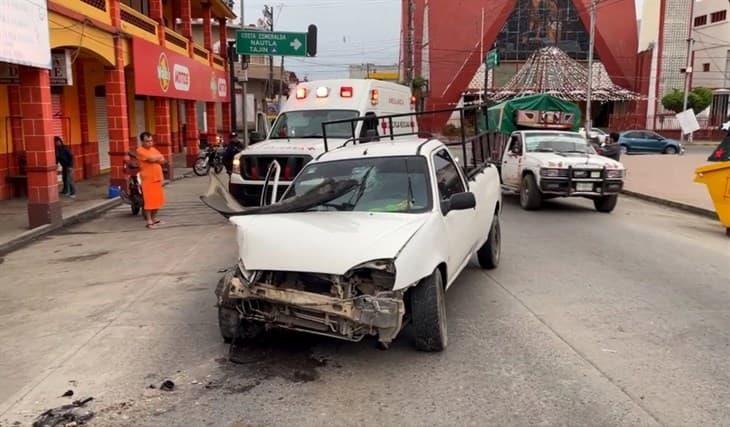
{"x": 210, "y": 157}
{"x": 132, "y": 195}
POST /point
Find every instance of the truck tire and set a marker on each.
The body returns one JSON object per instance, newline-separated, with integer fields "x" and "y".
{"x": 428, "y": 313}
{"x": 227, "y": 314}
{"x": 530, "y": 197}
{"x": 490, "y": 252}
{"x": 606, "y": 204}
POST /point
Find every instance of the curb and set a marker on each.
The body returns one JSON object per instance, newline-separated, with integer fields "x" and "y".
{"x": 94, "y": 211}
{"x": 672, "y": 204}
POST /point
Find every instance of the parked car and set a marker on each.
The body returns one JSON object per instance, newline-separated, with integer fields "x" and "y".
{"x": 646, "y": 141}
{"x": 596, "y": 134}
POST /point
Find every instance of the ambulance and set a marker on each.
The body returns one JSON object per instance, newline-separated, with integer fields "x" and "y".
{"x": 296, "y": 137}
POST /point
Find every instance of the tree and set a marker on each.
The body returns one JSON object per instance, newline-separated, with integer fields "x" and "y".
{"x": 698, "y": 99}
{"x": 673, "y": 101}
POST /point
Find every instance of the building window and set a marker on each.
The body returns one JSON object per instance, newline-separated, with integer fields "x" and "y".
{"x": 706, "y": 67}
{"x": 700, "y": 20}
{"x": 537, "y": 24}
{"x": 719, "y": 16}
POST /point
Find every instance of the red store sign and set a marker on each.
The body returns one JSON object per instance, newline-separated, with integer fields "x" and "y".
{"x": 162, "y": 72}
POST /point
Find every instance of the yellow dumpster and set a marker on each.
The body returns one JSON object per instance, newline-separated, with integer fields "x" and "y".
{"x": 717, "y": 178}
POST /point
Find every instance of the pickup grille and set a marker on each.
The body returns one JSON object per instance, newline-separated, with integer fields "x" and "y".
{"x": 254, "y": 168}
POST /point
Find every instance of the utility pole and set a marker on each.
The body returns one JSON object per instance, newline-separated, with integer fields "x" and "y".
{"x": 269, "y": 18}
{"x": 244, "y": 86}
{"x": 687, "y": 74}
{"x": 410, "y": 41}
{"x": 589, "y": 90}
{"x": 484, "y": 60}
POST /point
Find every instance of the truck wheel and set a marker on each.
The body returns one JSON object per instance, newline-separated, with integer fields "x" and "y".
{"x": 491, "y": 250}
{"x": 530, "y": 197}
{"x": 428, "y": 313}
{"x": 229, "y": 323}
{"x": 606, "y": 204}
{"x": 227, "y": 314}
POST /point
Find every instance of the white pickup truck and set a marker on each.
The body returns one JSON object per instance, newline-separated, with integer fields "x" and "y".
{"x": 543, "y": 164}
{"x": 367, "y": 238}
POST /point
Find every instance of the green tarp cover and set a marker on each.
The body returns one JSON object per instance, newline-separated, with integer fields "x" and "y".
{"x": 501, "y": 117}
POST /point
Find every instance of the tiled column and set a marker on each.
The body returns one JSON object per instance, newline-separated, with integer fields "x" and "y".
{"x": 35, "y": 103}
{"x": 163, "y": 139}
{"x": 157, "y": 13}
{"x": 186, "y": 20}
{"x": 192, "y": 137}
{"x": 226, "y": 119}
{"x": 207, "y": 28}
{"x": 116, "y": 105}
{"x": 225, "y": 106}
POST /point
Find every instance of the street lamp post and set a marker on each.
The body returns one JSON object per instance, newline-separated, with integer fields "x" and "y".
{"x": 589, "y": 90}
{"x": 687, "y": 74}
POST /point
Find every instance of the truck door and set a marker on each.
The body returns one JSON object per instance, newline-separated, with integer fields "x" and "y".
{"x": 459, "y": 224}
{"x": 512, "y": 161}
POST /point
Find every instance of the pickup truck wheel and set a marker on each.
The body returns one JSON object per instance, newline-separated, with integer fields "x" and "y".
{"x": 530, "y": 197}
{"x": 227, "y": 314}
{"x": 491, "y": 250}
{"x": 606, "y": 204}
{"x": 428, "y": 313}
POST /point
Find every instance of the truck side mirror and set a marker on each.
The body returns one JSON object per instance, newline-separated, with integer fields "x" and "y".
{"x": 255, "y": 137}
{"x": 516, "y": 150}
{"x": 459, "y": 202}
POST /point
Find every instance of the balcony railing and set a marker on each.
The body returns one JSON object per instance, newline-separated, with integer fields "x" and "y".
{"x": 176, "y": 40}
{"x": 133, "y": 22}
{"x": 99, "y": 4}
{"x": 219, "y": 61}
{"x": 201, "y": 53}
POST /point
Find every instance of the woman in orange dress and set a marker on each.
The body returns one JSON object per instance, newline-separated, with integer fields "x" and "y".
{"x": 150, "y": 166}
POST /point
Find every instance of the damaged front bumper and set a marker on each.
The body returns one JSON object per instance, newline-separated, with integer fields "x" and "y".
{"x": 344, "y": 318}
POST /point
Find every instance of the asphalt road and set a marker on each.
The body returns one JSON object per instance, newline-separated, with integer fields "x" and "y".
{"x": 591, "y": 319}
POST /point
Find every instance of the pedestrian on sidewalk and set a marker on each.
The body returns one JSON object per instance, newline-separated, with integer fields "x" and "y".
{"x": 151, "y": 162}
{"x": 65, "y": 158}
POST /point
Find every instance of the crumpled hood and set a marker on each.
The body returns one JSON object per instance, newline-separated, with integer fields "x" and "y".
{"x": 553, "y": 160}
{"x": 322, "y": 242}
{"x": 303, "y": 146}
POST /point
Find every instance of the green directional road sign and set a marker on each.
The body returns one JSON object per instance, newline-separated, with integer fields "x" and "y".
{"x": 492, "y": 59}
{"x": 271, "y": 43}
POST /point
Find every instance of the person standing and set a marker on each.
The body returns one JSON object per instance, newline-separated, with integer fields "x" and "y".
{"x": 65, "y": 158}
{"x": 151, "y": 162}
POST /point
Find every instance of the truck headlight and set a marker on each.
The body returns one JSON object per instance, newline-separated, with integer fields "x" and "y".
{"x": 237, "y": 166}
{"x": 615, "y": 173}
{"x": 378, "y": 272}
{"x": 553, "y": 173}
{"x": 249, "y": 276}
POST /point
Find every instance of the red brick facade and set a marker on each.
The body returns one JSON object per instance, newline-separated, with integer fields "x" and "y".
{"x": 35, "y": 103}
{"x": 192, "y": 137}
{"x": 163, "y": 137}
{"x": 117, "y": 116}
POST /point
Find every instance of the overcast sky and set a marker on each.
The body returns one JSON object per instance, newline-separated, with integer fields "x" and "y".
{"x": 350, "y": 31}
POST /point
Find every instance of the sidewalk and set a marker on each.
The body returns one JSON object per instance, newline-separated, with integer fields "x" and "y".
{"x": 668, "y": 178}
{"x": 91, "y": 199}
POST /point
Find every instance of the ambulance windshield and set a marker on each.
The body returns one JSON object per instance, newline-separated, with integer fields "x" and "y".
{"x": 308, "y": 124}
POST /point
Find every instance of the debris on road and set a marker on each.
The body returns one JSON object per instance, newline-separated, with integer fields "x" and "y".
{"x": 167, "y": 385}
{"x": 68, "y": 393}
{"x": 67, "y": 415}
{"x": 608, "y": 350}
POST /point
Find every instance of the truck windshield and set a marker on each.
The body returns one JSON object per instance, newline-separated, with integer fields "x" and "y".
{"x": 385, "y": 184}
{"x": 557, "y": 143}
{"x": 308, "y": 124}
